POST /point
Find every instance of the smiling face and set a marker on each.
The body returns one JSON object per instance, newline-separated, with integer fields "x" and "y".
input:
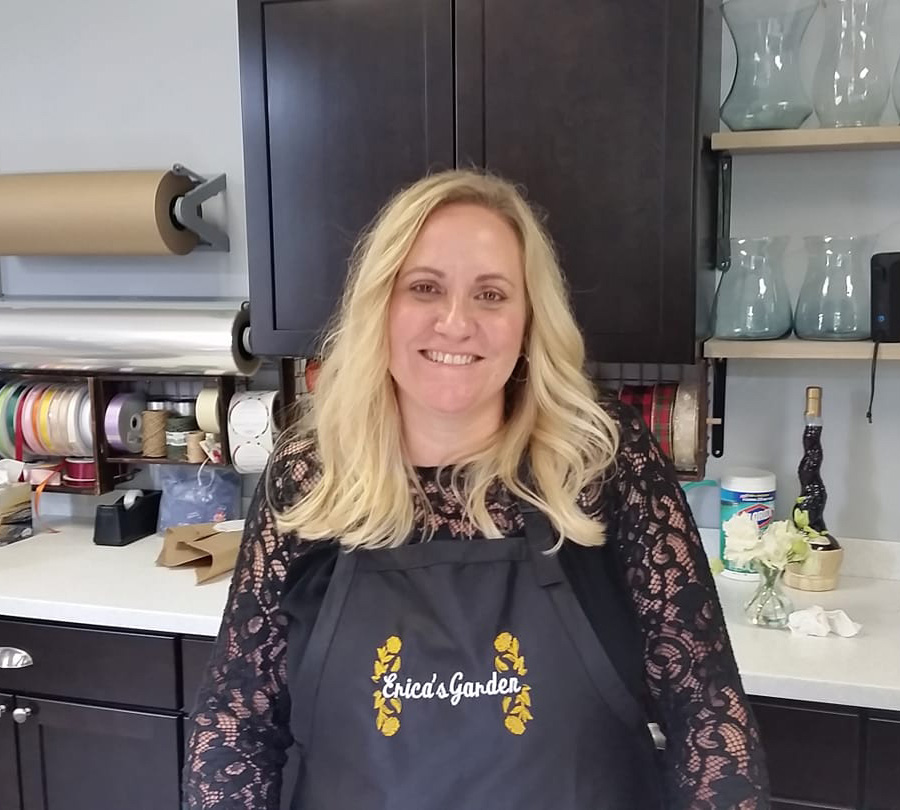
{"x": 457, "y": 316}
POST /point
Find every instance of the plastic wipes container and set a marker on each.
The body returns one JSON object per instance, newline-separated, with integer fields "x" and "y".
{"x": 749, "y": 491}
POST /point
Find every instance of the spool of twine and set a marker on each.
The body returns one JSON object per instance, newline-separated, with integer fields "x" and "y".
{"x": 177, "y": 430}
{"x": 195, "y": 453}
{"x": 153, "y": 434}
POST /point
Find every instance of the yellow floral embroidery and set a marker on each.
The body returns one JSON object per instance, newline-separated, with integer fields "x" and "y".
{"x": 516, "y": 712}
{"x": 387, "y": 660}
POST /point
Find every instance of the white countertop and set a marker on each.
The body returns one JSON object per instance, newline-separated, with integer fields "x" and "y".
{"x": 65, "y": 577}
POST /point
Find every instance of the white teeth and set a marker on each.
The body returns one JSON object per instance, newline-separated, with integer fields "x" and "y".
{"x": 450, "y": 359}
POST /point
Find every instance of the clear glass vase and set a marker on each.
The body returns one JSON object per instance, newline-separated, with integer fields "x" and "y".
{"x": 852, "y": 83}
{"x": 834, "y": 302}
{"x": 767, "y": 92}
{"x": 752, "y": 302}
{"x": 769, "y": 606}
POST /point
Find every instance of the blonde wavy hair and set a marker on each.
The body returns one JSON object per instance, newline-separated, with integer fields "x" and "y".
{"x": 555, "y": 440}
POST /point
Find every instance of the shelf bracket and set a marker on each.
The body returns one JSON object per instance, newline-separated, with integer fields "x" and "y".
{"x": 723, "y": 242}
{"x": 717, "y": 421}
{"x": 187, "y": 210}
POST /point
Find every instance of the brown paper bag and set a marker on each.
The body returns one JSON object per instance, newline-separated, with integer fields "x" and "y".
{"x": 211, "y": 553}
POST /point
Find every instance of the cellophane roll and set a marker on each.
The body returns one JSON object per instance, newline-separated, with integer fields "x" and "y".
{"x": 125, "y": 339}
{"x": 92, "y": 213}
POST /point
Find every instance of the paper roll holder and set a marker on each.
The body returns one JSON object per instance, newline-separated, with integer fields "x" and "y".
{"x": 187, "y": 213}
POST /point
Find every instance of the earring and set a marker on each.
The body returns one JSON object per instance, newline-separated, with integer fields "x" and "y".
{"x": 519, "y": 367}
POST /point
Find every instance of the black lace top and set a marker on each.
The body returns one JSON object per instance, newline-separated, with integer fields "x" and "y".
{"x": 668, "y": 640}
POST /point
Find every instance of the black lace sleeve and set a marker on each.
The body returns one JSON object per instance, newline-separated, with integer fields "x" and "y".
{"x": 714, "y": 758}
{"x": 237, "y": 746}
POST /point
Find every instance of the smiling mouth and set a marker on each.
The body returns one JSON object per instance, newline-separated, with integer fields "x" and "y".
{"x": 444, "y": 359}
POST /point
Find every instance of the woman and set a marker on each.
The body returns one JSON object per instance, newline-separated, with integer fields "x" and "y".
{"x": 563, "y": 602}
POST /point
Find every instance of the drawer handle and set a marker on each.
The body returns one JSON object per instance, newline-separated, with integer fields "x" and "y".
{"x": 21, "y": 715}
{"x": 14, "y": 658}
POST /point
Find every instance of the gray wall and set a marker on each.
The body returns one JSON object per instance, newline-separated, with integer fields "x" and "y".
{"x": 107, "y": 84}
{"x": 122, "y": 84}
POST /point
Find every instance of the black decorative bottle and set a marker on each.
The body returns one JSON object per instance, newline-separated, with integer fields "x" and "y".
{"x": 820, "y": 570}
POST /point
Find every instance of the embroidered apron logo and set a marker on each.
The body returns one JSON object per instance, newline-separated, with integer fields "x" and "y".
{"x": 388, "y": 706}
{"x": 388, "y": 660}
{"x": 516, "y": 712}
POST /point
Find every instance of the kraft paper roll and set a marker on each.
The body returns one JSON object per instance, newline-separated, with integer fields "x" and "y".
{"x": 252, "y": 429}
{"x": 92, "y": 213}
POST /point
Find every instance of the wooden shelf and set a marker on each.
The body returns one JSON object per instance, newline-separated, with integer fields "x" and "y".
{"x": 807, "y": 140}
{"x": 147, "y": 460}
{"x": 795, "y": 349}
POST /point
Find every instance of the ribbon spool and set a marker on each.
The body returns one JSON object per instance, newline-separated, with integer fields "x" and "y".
{"x": 182, "y": 407}
{"x": 252, "y": 429}
{"x": 195, "y": 452}
{"x": 672, "y": 413}
{"x": 122, "y": 422}
{"x": 685, "y": 426}
{"x": 177, "y": 430}
{"x": 207, "y": 411}
{"x": 153, "y": 434}
{"x": 80, "y": 472}
{"x": 45, "y": 419}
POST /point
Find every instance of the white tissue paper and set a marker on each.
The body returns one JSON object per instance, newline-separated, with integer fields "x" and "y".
{"x": 816, "y": 621}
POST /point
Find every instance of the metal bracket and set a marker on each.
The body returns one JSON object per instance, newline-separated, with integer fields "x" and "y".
{"x": 723, "y": 244}
{"x": 717, "y": 421}
{"x": 723, "y": 264}
{"x": 187, "y": 210}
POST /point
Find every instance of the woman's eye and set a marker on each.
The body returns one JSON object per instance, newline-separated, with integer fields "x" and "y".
{"x": 493, "y": 296}
{"x": 423, "y": 287}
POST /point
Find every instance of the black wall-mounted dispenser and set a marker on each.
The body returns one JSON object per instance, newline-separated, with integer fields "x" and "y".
{"x": 886, "y": 297}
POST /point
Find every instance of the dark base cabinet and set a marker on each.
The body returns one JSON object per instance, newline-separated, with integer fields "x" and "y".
{"x": 74, "y": 757}
{"x": 830, "y": 757}
{"x": 95, "y": 721}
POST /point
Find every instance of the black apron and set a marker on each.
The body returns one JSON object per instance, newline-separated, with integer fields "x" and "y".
{"x": 463, "y": 676}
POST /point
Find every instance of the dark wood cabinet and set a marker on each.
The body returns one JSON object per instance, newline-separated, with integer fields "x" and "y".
{"x": 76, "y": 757}
{"x": 9, "y": 761}
{"x": 883, "y": 763}
{"x": 93, "y": 722}
{"x": 813, "y": 752}
{"x": 343, "y": 103}
{"x": 830, "y": 757}
{"x": 601, "y": 109}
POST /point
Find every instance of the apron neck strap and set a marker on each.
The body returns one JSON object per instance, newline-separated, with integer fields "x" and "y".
{"x": 540, "y": 538}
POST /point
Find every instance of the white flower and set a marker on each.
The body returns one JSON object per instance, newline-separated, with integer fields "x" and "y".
{"x": 783, "y": 542}
{"x": 743, "y": 544}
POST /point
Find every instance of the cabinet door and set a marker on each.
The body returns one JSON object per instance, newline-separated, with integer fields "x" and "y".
{"x": 9, "y": 762}
{"x": 825, "y": 738}
{"x": 601, "y": 108}
{"x": 344, "y": 102}
{"x": 883, "y": 764}
{"x": 75, "y": 757}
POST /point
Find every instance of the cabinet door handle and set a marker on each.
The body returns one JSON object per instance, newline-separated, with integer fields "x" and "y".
{"x": 21, "y": 715}
{"x": 14, "y": 658}
{"x": 2, "y": 709}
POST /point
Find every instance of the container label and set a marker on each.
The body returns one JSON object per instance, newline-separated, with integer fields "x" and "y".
{"x": 758, "y": 505}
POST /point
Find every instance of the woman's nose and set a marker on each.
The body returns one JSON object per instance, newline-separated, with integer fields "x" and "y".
{"x": 455, "y": 320}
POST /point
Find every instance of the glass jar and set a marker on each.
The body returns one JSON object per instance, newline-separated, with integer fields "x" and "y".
{"x": 834, "y": 302}
{"x": 752, "y": 302}
{"x": 767, "y": 92}
{"x": 852, "y": 82}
